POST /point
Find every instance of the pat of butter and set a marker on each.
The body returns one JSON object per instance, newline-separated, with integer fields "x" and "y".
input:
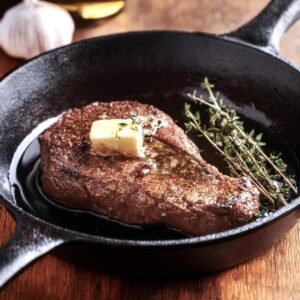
{"x": 115, "y": 136}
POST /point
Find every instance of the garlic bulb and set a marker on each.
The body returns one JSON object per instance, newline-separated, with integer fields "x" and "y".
{"x": 33, "y": 26}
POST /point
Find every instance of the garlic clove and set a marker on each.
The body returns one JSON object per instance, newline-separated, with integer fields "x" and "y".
{"x": 33, "y": 27}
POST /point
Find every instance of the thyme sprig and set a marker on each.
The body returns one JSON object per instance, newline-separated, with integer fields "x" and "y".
{"x": 150, "y": 123}
{"x": 242, "y": 151}
{"x": 121, "y": 126}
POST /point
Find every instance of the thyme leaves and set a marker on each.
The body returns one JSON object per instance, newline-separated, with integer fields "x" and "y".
{"x": 242, "y": 151}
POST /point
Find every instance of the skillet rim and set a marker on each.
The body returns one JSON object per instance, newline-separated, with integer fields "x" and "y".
{"x": 73, "y": 235}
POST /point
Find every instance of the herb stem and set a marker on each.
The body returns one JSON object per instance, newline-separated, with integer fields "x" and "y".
{"x": 252, "y": 176}
{"x": 271, "y": 164}
{"x": 255, "y": 162}
{"x": 217, "y": 107}
{"x": 231, "y": 162}
{"x": 241, "y": 150}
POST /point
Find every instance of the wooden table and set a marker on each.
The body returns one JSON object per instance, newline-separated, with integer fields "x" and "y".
{"x": 273, "y": 275}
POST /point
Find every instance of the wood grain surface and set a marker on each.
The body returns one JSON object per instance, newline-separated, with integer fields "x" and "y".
{"x": 273, "y": 275}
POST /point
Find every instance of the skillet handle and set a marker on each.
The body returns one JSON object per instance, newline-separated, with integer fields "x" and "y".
{"x": 267, "y": 28}
{"x": 31, "y": 240}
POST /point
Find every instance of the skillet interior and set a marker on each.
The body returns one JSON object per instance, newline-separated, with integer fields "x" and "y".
{"x": 156, "y": 66}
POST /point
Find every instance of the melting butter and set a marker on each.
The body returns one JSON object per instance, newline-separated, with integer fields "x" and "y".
{"x": 117, "y": 136}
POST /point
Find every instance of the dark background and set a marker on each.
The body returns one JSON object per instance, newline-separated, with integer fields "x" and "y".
{"x": 6, "y": 5}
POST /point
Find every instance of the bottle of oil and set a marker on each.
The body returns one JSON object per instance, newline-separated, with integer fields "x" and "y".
{"x": 91, "y": 10}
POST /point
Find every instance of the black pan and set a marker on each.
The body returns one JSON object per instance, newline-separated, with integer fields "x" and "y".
{"x": 158, "y": 68}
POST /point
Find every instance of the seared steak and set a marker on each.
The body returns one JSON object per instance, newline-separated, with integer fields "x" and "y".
{"x": 173, "y": 185}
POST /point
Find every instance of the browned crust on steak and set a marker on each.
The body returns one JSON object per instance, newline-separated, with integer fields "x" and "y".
{"x": 176, "y": 187}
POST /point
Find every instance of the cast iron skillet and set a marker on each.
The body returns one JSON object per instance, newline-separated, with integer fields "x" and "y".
{"x": 157, "y": 67}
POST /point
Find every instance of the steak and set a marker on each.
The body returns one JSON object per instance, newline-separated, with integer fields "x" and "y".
{"x": 172, "y": 185}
